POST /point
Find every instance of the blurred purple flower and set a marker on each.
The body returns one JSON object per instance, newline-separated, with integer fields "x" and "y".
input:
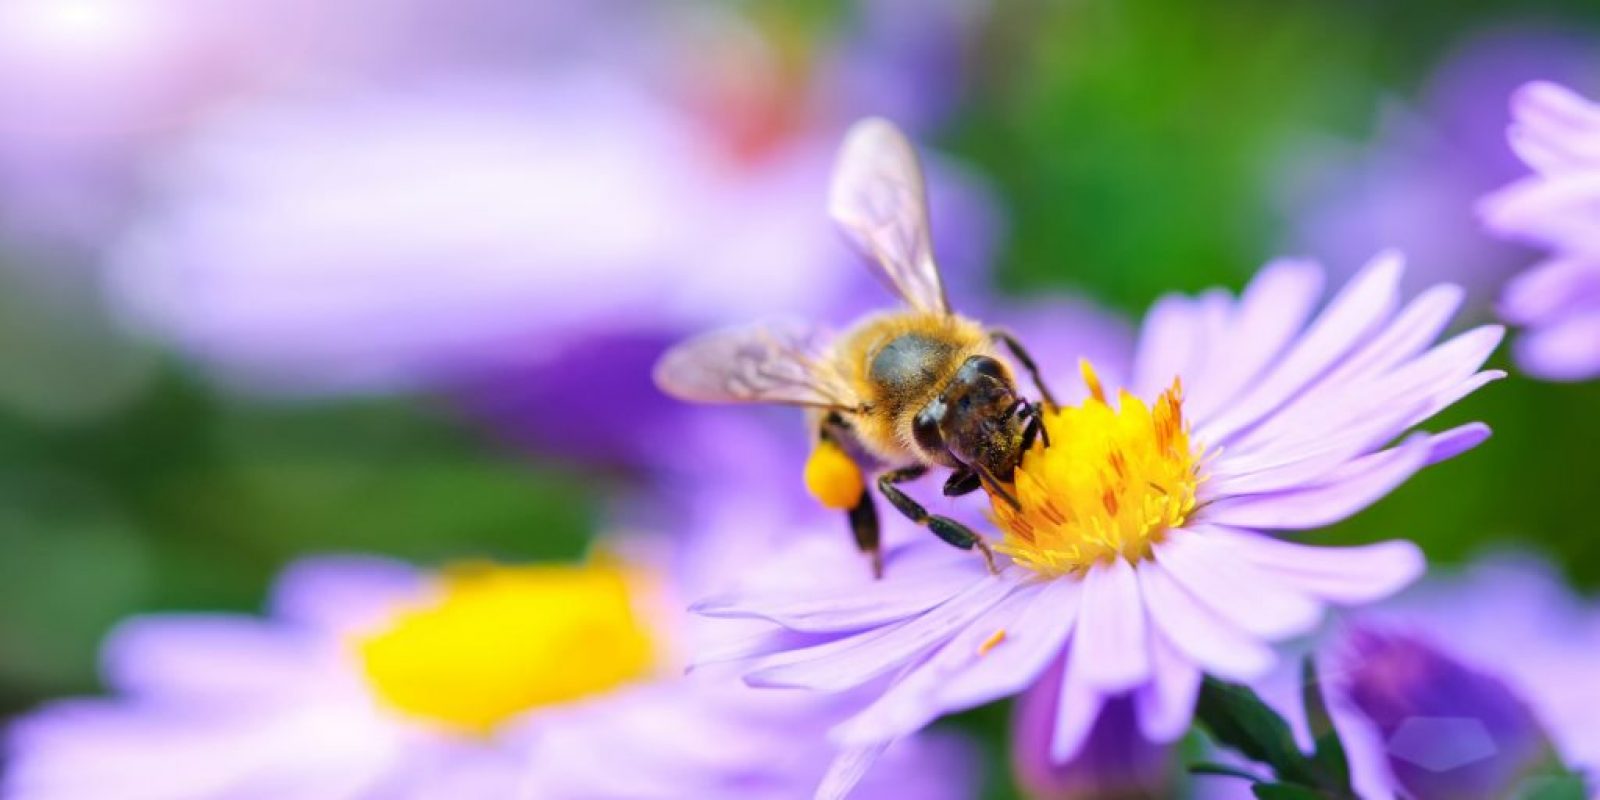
{"x": 1557, "y": 134}
{"x": 373, "y": 679}
{"x": 1116, "y": 761}
{"x": 1451, "y": 731}
{"x": 1152, "y": 567}
{"x": 1503, "y": 653}
{"x": 1459, "y": 688}
{"x": 525, "y": 242}
{"x": 1414, "y": 186}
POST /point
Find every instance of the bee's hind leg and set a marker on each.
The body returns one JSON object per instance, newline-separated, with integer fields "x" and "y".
{"x": 864, "y": 526}
{"x": 1020, "y": 353}
{"x": 952, "y": 532}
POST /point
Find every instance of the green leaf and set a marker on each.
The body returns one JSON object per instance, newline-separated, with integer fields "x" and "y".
{"x": 1329, "y": 759}
{"x": 1555, "y": 787}
{"x": 1284, "y": 791}
{"x": 1213, "y": 768}
{"x": 1238, "y": 719}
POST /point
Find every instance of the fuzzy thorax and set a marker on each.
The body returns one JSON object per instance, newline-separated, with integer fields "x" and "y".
{"x": 1114, "y": 480}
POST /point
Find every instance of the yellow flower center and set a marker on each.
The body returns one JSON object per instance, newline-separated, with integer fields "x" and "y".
{"x": 499, "y": 641}
{"x": 1111, "y": 484}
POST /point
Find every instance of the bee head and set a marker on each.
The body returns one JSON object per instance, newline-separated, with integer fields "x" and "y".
{"x": 973, "y": 421}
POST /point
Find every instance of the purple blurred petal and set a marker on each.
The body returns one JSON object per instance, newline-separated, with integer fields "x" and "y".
{"x": 344, "y": 595}
{"x": 1568, "y": 350}
{"x": 1116, "y": 761}
{"x": 1553, "y": 289}
{"x": 208, "y": 657}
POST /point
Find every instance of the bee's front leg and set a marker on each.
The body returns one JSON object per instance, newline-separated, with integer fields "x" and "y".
{"x": 1020, "y": 353}
{"x": 962, "y": 482}
{"x": 952, "y": 532}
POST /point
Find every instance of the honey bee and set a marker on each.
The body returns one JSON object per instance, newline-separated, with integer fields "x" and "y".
{"x": 898, "y": 393}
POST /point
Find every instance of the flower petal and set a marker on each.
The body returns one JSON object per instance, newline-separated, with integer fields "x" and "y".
{"x": 900, "y": 594}
{"x": 1365, "y": 302}
{"x": 208, "y": 656}
{"x": 1219, "y": 576}
{"x": 1446, "y": 445}
{"x": 1568, "y": 350}
{"x": 1165, "y": 705}
{"x": 1345, "y": 575}
{"x": 1110, "y": 651}
{"x": 1554, "y": 288}
{"x": 1355, "y": 486}
{"x": 1168, "y": 340}
{"x": 1033, "y": 639}
{"x": 847, "y": 770}
{"x": 912, "y": 702}
{"x": 1272, "y": 309}
{"x": 345, "y": 593}
{"x": 1416, "y": 327}
{"x": 841, "y": 664}
{"x": 1078, "y": 708}
{"x": 1554, "y": 128}
{"x": 1199, "y": 633}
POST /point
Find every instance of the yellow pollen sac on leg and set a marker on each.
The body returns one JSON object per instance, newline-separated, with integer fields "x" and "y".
{"x": 499, "y": 641}
{"x": 1111, "y": 484}
{"x": 833, "y": 477}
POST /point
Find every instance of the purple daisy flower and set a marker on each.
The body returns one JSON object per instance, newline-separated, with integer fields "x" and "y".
{"x": 374, "y": 679}
{"x": 1557, "y": 133}
{"x": 1466, "y": 686}
{"x": 1141, "y": 552}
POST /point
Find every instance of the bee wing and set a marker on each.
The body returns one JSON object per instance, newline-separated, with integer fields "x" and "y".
{"x": 879, "y": 200}
{"x": 776, "y": 362}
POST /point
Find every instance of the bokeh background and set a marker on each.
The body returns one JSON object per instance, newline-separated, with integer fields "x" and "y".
{"x": 387, "y": 276}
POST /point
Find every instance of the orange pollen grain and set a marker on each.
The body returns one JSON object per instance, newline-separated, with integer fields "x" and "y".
{"x": 992, "y": 642}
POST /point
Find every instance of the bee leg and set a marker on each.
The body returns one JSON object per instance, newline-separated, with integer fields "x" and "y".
{"x": 1020, "y": 353}
{"x": 864, "y": 526}
{"x": 1034, "y": 429}
{"x": 952, "y": 532}
{"x": 962, "y": 482}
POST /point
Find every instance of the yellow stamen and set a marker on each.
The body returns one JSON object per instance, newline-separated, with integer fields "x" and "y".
{"x": 498, "y": 641}
{"x": 1112, "y": 483}
{"x": 833, "y": 477}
